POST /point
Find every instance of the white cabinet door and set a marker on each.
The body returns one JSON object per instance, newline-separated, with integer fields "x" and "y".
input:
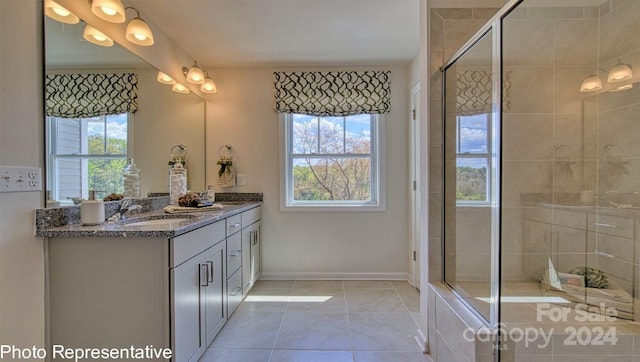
{"x": 187, "y": 280}
{"x": 214, "y": 291}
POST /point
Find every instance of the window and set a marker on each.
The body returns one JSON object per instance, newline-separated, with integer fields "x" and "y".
{"x": 473, "y": 158}
{"x": 332, "y": 162}
{"x": 87, "y": 154}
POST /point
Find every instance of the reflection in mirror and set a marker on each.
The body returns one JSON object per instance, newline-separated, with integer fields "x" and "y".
{"x": 89, "y": 152}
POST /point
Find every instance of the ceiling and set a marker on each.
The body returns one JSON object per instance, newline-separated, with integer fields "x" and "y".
{"x": 234, "y": 33}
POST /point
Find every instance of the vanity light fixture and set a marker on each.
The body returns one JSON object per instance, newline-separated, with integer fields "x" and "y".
{"x": 138, "y": 32}
{"x": 194, "y": 74}
{"x": 591, "y": 83}
{"x": 165, "y": 79}
{"x": 57, "y": 12}
{"x": 209, "y": 86}
{"x": 96, "y": 37}
{"x": 179, "y": 88}
{"x": 109, "y": 10}
{"x": 619, "y": 73}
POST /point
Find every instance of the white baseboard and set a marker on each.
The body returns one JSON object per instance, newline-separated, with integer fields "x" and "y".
{"x": 334, "y": 276}
{"x": 421, "y": 339}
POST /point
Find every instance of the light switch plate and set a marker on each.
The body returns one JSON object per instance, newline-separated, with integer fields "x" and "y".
{"x": 240, "y": 179}
{"x": 16, "y": 179}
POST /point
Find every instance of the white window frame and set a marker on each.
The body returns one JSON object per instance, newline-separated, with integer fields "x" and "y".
{"x": 377, "y": 202}
{"x": 53, "y": 155}
{"x": 488, "y": 156}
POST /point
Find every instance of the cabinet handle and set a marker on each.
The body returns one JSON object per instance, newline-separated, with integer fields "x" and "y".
{"x": 238, "y": 252}
{"x": 206, "y": 275}
{"x": 237, "y": 291}
{"x": 606, "y": 225}
{"x": 234, "y": 225}
{"x": 210, "y": 264}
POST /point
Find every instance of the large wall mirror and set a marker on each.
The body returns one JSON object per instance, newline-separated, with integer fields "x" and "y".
{"x": 89, "y": 153}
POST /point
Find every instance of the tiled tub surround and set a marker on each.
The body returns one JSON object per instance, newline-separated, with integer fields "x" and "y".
{"x": 65, "y": 221}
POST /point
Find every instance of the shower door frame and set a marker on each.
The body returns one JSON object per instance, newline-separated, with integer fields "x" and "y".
{"x": 494, "y": 25}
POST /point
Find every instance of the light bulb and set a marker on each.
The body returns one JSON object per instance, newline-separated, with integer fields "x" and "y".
{"x": 107, "y": 10}
{"x": 96, "y": 37}
{"x": 61, "y": 11}
{"x": 179, "y": 88}
{"x": 165, "y": 79}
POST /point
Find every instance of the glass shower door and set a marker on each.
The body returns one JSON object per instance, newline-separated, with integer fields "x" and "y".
{"x": 471, "y": 220}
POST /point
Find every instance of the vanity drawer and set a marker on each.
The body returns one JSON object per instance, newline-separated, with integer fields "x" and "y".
{"x": 234, "y": 292}
{"x": 612, "y": 225}
{"x": 186, "y": 246}
{"x": 251, "y": 216}
{"x": 234, "y": 253}
{"x": 234, "y": 224}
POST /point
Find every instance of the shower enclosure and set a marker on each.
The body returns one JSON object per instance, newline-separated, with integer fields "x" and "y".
{"x": 541, "y": 195}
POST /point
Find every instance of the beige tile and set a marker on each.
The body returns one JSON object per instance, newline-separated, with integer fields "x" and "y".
{"x": 619, "y": 31}
{"x": 576, "y": 42}
{"x": 383, "y": 332}
{"x": 263, "y": 326}
{"x": 236, "y": 355}
{"x": 555, "y": 12}
{"x": 587, "y": 355}
{"x": 526, "y": 176}
{"x": 266, "y": 300}
{"x": 317, "y": 284}
{"x": 437, "y": 32}
{"x": 528, "y": 43}
{"x": 457, "y": 33}
{"x": 454, "y": 13}
{"x": 410, "y": 296}
{"x": 357, "y": 284}
{"x": 322, "y": 331}
{"x": 526, "y": 136}
{"x": 311, "y": 356}
{"x": 452, "y": 329}
{"x": 484, "y": 13}
{"x": 445, "y": 354}
{"x": 387, "y": 356}
{"x": 569, "y": 130}
{"x": 435, "y": 123}
{"x": 323, "y": 300}
{"x": 527, "y": 98}
{"x": 273, "y": 284}
{"x": 373, "y": 300}
{"x": 568, "y": 98}
{"x": 435, "y": 215}
{"x": 614, "y": 129}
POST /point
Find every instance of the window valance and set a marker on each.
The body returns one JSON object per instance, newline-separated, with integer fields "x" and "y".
{"x": 90, "y": 95}
{"x": 475, "y": 94}
{"x": 333, "y": 93}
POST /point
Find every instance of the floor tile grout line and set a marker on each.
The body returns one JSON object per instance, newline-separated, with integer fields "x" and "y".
{"x": 284, "y": 313}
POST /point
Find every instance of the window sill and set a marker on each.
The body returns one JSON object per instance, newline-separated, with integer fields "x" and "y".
{"x": 331, "y": 208}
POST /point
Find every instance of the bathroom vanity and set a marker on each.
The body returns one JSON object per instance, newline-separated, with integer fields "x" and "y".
{"x": 143, "y": 282}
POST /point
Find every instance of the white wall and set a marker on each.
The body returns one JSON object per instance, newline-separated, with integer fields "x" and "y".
{"x": 308, "y": 244}
{"x": 21, "y": 135}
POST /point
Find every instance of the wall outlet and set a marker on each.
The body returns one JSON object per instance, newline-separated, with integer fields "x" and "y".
{"x": 240, "y": 179}
{"x": 16, "y": 179}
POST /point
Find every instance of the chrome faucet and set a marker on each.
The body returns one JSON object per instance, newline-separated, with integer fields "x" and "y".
{"x": 123, "y": 207}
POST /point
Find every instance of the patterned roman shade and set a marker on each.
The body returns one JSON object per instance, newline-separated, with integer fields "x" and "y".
{"x": 90, "y": 95}
{"x": 333, "y": 93}
{"x": 474, "y": 92}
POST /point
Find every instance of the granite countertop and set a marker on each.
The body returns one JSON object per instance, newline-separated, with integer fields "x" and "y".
{"x": 608, "y": 210}
{"x": 184, "y": 223}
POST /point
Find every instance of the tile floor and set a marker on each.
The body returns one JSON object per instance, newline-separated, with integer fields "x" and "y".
{"x": 322, "y": 321}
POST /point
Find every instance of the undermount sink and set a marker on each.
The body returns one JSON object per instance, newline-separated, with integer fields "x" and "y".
{"x": 158, "y": 220}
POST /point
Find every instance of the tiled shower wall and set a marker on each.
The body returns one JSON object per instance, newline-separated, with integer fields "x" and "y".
{"x": 556, "y": 134}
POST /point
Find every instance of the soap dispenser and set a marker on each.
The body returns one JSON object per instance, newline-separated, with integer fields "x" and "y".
{"x": 92, "y": 210}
